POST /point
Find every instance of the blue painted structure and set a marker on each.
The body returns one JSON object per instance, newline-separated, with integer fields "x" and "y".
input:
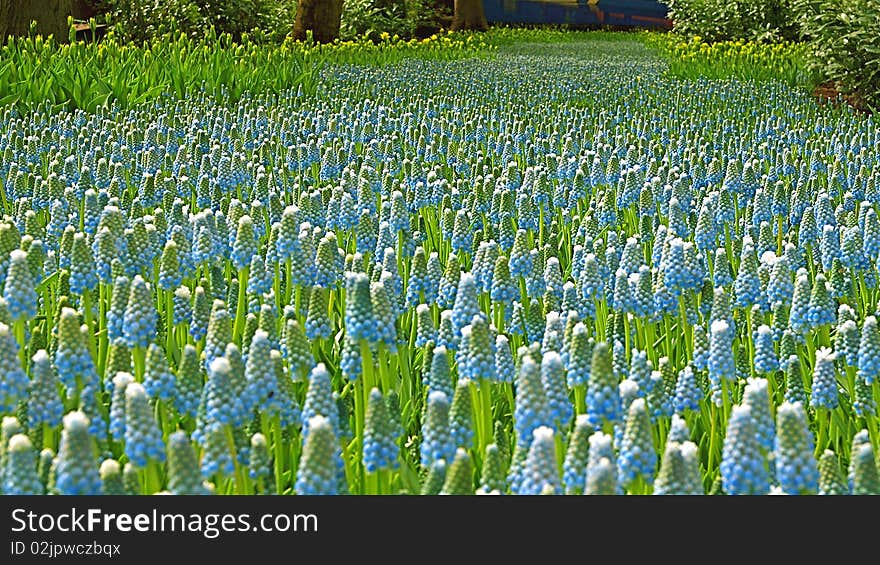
{"x": 636, "y": 13}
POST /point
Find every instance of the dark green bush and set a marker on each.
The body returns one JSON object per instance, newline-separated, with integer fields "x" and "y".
{"x": 721, "y": 20}
{"x": 845, "y": 40}
{"x": 404, "y": 18}
{"x": 139, "y": 20}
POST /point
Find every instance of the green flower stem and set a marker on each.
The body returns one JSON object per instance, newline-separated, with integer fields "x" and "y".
{"x": 278, "y": 447}
{"x": 580, "y": 400}
{"x": 241, "y": 307}
{"x": 152, "y": 477}
{"x": 823, "y": 422}
{"x": 104, "y": 292}
{"x": 288, "y": 281}
{"x": 486, "y": 427}
{"x": 138, "y": 357}
{"x": 239, "y": 473}
{"x": 87, "y": 312}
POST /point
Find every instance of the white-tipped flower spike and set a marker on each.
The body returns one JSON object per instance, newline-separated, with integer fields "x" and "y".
{"x": 317, "y": 471}
{"x": 540, "y": 470}
{"x": 111, "y": 477}
{"x": 574, "y": 469}
{"x": 679, "y": 470}
{"x": 602, "y": 478}
{"x": 117, "y": 405}
{"x": 183, "y": 467}
{"x": 823, "y": 393}
{"x": 19, "y": 293}
{"x": 743, "y": 466}
{"x": 14, "y": 384}
{"x": 76, "y": 466}
{"x": 143, "y": 438}
{"x": 20, "y": 475}
{"x": 459, "y": 476}
{"x": 637, "y": 459}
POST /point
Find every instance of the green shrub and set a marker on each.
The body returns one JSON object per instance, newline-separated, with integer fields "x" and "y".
{"x": 404, "y": 18}
{"x": 136, "y": 20}
{"x": 844, "y": 36}
{"x": 724, "y": 20}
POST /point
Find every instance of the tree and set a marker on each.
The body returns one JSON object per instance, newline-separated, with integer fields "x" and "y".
{"x": 321, "y": 17}
{"x": 50, "y": 15}
{"x": 469, "y": 15}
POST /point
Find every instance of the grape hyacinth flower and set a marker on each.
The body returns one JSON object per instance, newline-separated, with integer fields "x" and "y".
{"x": 823, "y": 392}
{"x": 530, "y": 411}
{"x": 189, "y": 384}
{"x": 380, "y": 449}
{"x": 425, "y": 330}
{"x": 504, "y": 366}
{"x": 359, "y": 320}
{"x": 14, "y": 384}
{"x": 20, "y": 473}
{"x": 721, "y": 361}
{"x": 44, "y": 403}
{"x": 603, "y": 398}
{"x": 159, "y": 382}
{"x": 756, "y": 396}
{"x": 18, "y": 291}
{"x": 574, "y": 468}
{"x": 143, "y": 438}
{"x": 831, "y": 479}
{"x": 743, "y": 468}
{"x": 540, "y": 471}
{"x": 865, "y": 476}
{"x": 678, "y": 430}
{"x": 435, "y": 478}
{"x": 688, "y": 392}
{"x": 436, "y": 438}
{"x": 492, "y": 479}
{"x": 765, "y": 355}
{"x": 637, "y": 458}
{"x": 119, "y": 383}
{"x": 466, "y": 305}
{"x": 319, "y": 400}
{"x": 438, "y": 377}
{"x": 216, "y": 458}
{"x": 601, "y": 467}
{"x": 869, "y": 351}
{"x": 580, "y": 357}
{"x": 794, "y": 382}
{"x": 139, "y": 320}
{"x": 796, "y": 468}
{"x": 183, "y": 468}
{"x": 259, "y": 463}
{"x": 111, "y": 478}
{"x": 459, "y": 476}
{"x": 559, "y": 406}
{"x": 219, "y": 333}
{"x": 480, "y": 364}
{"x": 76, "y": 467}
{"x": 679, "y": 470}
{"x": 220, "y": 405}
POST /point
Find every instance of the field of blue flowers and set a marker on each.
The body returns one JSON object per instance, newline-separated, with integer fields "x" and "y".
{"x": 555, "y": 271}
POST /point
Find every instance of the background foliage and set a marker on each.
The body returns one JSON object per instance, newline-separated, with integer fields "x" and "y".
{"x": 720, "y": 20}
{"x": 842, "y": 37}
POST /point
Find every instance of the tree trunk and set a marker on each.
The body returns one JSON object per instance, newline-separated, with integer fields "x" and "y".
{"x": 51, "y": 17}
{"x": 322, "y": 17}
{"x": 469, "y": 15}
